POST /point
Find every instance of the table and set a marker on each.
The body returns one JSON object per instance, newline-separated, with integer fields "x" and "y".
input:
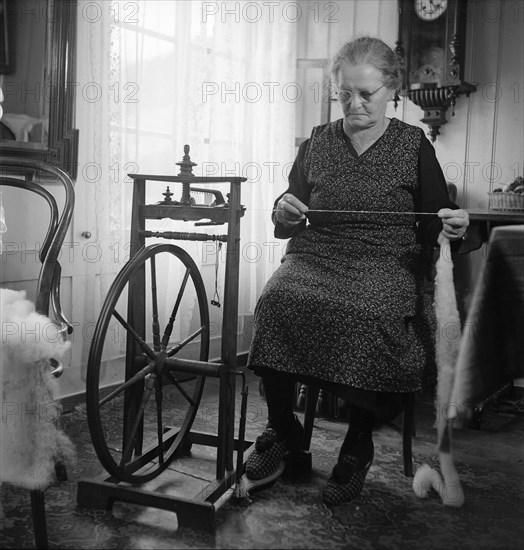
{"x": 482, "y": 221}
{"x": 491, "y": 353}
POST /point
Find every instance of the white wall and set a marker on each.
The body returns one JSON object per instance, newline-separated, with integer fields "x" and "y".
{"x": 482, "y": 144}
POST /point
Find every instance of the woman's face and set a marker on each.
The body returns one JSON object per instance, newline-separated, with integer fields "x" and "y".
{"x": 362, "y": 96}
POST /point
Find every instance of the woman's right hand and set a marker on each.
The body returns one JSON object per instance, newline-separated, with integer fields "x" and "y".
{"x": 290, "y": 210}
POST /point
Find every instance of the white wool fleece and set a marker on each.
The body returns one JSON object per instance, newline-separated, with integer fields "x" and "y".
{"x": 30, "y": 440}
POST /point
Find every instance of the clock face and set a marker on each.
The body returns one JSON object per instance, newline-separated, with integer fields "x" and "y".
{"x": 428, "y": 10}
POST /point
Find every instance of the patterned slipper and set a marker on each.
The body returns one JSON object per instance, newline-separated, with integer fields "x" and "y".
{"x": 267, "y": 456}
{"x": 347, "y": 480}
{"x": 266, "y": 463}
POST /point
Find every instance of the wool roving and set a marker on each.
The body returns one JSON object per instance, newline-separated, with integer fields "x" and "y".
{"x": 446, "y": 348}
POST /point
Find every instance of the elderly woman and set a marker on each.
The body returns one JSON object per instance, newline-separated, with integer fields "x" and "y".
{"x": 344, "y": 311}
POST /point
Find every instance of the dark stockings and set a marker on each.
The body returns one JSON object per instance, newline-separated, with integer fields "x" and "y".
{"x": 358, "y": 440}
{"x": 280, "y": 396}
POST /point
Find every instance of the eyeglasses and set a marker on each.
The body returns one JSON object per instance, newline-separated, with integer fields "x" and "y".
{"x": 345, "y": 96}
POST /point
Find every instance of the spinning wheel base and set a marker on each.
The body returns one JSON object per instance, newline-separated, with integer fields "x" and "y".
{"x": 198, "y": 512}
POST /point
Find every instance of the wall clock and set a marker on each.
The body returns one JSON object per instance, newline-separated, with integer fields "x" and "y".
{"x": 431, "y": 46}
{"x": 428, "y": 10}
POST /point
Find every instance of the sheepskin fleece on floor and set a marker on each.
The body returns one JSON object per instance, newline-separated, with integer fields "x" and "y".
{"x": 30, "y": 439}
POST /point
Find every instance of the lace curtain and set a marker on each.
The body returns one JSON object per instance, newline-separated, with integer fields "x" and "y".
{"x": 157, "y": 75}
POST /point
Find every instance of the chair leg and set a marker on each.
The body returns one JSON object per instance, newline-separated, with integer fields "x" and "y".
{"x": 39, "y": 519}
{"x": 408, "y": 432}
{"x": 300, "y": 463}
{"x": 319, "y": 402}
{"x": 301, "y": 397}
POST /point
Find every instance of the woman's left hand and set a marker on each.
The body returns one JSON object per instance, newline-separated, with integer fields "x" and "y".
{"x": 454, "y": 223}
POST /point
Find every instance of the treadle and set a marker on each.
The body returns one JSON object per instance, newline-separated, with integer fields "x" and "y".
{"x": 298, "y": 464}
{"x": 192, "y": 512}
{"x": 101, "y": 494}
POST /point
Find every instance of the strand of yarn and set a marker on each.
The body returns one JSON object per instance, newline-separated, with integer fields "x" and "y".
{"x": 377, "y": 212}
{"x": 381, "y": 212}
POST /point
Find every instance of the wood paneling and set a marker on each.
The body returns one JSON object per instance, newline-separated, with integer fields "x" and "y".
{"x": 482, "y": 145}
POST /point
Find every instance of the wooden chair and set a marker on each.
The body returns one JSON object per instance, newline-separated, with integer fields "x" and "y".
{"x": 303, "y": 461}
{"x": 24, "y": 174}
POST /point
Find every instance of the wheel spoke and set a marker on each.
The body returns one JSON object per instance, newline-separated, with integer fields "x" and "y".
{"x": 176, "y": 383}
{"x": 156, "y": 326}
{"x": 141, "y": 342}
{"x": 140, "y": 375}
{"x": 149, "y": 385}
{"x": 159, "y": 422}
{"x": 175, "y": 349}
{"x": 169, "y": 327}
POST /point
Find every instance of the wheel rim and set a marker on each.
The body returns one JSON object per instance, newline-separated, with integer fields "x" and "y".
{"x": 140, "y": 413}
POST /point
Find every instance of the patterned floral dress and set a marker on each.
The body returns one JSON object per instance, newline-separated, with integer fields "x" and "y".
{"x": 345, "y": 306}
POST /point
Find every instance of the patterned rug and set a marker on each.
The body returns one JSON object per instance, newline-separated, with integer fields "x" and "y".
{"x": 291, "y": 514}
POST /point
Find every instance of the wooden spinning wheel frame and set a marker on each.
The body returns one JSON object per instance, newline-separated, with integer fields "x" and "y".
{"x": 141, "y": 408}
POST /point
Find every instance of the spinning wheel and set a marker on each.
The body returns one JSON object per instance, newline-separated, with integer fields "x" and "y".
{"x": 141, "y": 420}
{"x": 148, "y": 363}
